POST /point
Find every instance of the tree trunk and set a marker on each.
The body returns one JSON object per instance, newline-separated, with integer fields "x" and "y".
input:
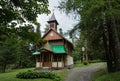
{"x": 4, "y": 67}
{"x": 107, "y": 43}
{"x": 115, "y": 43}
{"x": 116, "y": 47}
{"x": 107, "y": 53}
{"x": 111, "y": 51}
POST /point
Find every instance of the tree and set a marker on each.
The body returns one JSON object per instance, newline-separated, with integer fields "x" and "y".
{"x": 46, "y": 28}
{"x": 18, "y": 18}
{"x": 99, "y": 19}
{"x": 23, "y": 55}
{"x": 22, "y": 10}
{"x": 7, "y": 53}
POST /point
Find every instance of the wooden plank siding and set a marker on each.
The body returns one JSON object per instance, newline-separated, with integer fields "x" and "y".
{"x": 68, "y": 47}
{"x": 54, "y": 36}
{"x": 57, "y": 42}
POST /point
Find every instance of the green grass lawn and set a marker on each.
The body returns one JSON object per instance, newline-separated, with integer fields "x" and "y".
{"x": 11, "y": 75}
{"x": 63, "y": 73}
{"x": 80, "y": 64}
{"x": 103, "y": 75}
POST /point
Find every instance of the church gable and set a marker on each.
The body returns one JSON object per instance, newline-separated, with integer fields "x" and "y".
{"x": 52, "y": 35}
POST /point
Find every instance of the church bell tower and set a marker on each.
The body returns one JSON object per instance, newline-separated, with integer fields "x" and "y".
{"x": 53, "y": 22}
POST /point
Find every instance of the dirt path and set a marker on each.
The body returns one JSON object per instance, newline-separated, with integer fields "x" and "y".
{"x": 83, "y": 73}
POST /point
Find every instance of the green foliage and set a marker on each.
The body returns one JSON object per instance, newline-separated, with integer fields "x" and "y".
{"x": 102, "y": 71}
{"x": 94, "y": 61}
{"x": 109, "y": 77}
{"x": 18, "y": 19}
{"x": 19, "y": 12}
{"x": 24, "y": 56}
{"x": 7, "y": 53}
{"x": 78, "y": 64}
{"x": 22, "y": 10}
{"x": 33, "y": 75}
{"x": 99, "y": 21}
{"x": 15, "y": 52}
{"x": 77, "y": 53}
{"x": 103, "y": 75}
{"x": 85, "y": 63}
{"x": 63, "y": 73}
{"x": 11, "y": 75}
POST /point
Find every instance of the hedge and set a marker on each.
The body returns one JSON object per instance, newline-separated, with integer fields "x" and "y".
{"x": 33, "y": 75}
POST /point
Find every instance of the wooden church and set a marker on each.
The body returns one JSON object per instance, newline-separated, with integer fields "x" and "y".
{"x": 57, "y": 51}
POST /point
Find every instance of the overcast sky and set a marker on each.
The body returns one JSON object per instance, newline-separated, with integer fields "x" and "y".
{"x": 65, "y": 22}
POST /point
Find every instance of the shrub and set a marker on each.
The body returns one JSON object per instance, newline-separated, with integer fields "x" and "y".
{"x": 94, "y": 61}
{"x": 85, "y": 63}
{"x": 33, "y": 75}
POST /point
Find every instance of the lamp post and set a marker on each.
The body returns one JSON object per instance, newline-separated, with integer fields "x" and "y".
{"x": 83, "y": 50}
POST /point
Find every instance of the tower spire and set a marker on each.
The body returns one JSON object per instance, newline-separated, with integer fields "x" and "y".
{"x": 53, "y": 18}
{"x": 53, "y": 22}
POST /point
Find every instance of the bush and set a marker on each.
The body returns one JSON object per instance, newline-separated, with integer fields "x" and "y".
{"x": 33, "y": 75}
{"x": 94, "y": 61}
{"x": 85, "y": 63}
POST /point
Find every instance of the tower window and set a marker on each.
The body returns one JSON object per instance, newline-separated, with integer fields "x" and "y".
{"x": 51, "y": 25}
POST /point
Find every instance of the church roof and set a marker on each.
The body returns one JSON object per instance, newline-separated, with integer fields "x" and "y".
{"x": 58, "y": 49}
{"x": 52, "y": 18}
{"x": 36, "y": 53}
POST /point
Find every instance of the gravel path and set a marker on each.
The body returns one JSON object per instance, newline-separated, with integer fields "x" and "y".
{"x": 83, "y": 73}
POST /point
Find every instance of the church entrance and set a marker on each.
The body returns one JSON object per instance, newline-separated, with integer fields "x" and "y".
{"x": 47, "y": 60}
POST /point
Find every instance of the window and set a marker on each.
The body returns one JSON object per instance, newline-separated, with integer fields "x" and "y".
{"x": 51, "y": 25}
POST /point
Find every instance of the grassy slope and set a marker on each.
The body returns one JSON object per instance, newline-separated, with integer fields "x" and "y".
{"x": 63, "y": 73}
{"x": 79, "y": 64}
{"x": 11, "y": 76}
{"x": 102, "y": 75}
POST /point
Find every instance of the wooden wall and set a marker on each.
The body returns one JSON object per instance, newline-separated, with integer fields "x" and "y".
{"x": 57, "y": 42}
{"x": 52, "y": 36}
